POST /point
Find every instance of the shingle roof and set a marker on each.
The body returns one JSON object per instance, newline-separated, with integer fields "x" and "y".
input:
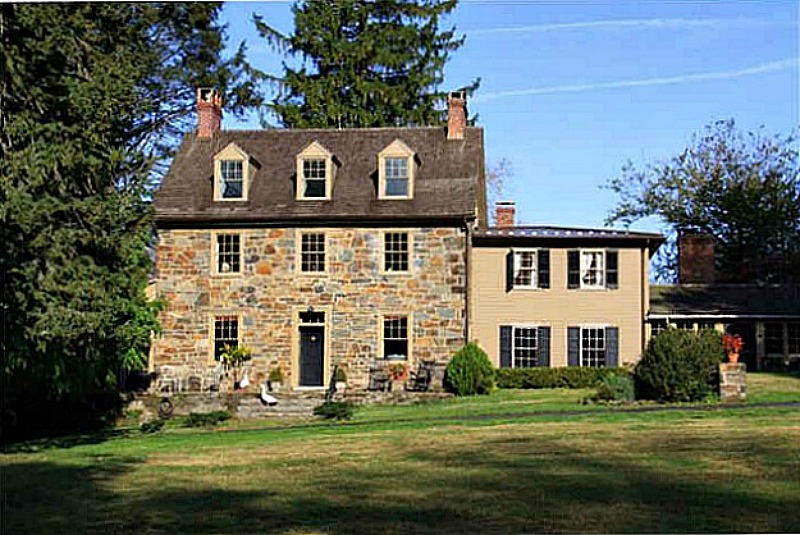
{"x": 574, "y": 236}
{"x": 448, "y": 180}
{"x": 749, "y": 300}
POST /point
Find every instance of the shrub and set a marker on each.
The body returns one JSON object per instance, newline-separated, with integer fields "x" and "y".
{"x": 572, "y": 377}
{"x": 275, "y": 375}
{"x": 680, "y": 365}
{"x": 335, "y": 410}
{"x": 618, "y": 388}
{"x": 469, "y": 372}
{"x": 340, "y": 376}
{"x": 206, "y": 419}
{"x": 153, "y": 426}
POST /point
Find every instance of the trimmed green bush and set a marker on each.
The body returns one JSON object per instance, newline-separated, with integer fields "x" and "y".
{"x": 619, "y": 388}
{"x": 680, "y": 365}
{"x": 571, "y": 377}
{"x": 206, "y": 419}
{"x": 152, "y": 426}
{"x": 469, "y": 372}
{"x": 335, "y": 410}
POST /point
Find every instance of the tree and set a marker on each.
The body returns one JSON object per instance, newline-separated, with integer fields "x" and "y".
{"x": 91, "y": 95}
{"x": 364, "y": 64}
{"x": 742, "y": 189}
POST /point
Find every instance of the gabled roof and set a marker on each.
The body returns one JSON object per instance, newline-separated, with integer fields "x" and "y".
{"x": 739, "y": 300}
{"x": 546, "y": 235}
{"x": 449, "y": 179}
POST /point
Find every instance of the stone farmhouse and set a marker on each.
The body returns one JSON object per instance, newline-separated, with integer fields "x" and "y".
{"x": 364, "y": 247}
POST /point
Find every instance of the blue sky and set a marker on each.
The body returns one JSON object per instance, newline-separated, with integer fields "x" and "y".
{"x": 571, "y": 90}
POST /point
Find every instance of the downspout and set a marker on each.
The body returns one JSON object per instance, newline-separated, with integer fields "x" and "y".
{"x": 645, "y": 283}
{"x": 467, "y": 269}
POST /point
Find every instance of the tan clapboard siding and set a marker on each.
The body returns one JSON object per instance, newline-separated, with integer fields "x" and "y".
{"x": 558, "y": 307}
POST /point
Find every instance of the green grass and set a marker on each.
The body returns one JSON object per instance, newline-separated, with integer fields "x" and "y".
{"x": 521, "y": 467}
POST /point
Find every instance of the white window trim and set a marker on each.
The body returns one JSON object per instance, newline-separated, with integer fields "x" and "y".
{"x": 299, "y": 254}
{"x": 535, "y": 278}
{"x": 315, "y": 151}
{"x": 235, "y": 153}
{"x": 212, "y": 333}
{"x": 524, "y": 326}
{"x": 382, "y": 260}
{"x": 409, "y": 333}
{"x": 583, "y": 286}
{"x": 603, "y": 328}
{"x": 396, "y": 149}
{"x": 215, "y": 254}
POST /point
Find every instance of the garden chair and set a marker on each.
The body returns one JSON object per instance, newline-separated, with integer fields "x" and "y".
{"x": 420, "y": 380}
{"x": 378, "y": 379}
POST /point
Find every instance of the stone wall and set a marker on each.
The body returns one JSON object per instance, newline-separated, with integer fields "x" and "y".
{"x": 732, "y": 382}
{"x": 270, "y": 292}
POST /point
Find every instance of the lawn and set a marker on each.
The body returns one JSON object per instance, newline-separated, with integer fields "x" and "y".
{"x": 520, "y": 467}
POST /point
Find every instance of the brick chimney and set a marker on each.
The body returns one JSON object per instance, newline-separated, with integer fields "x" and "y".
{"x": 209, "y": 112}
{"x": 456, "y": 114}
{"x": 695, "y": 258}
{"x": 504, "y": 213}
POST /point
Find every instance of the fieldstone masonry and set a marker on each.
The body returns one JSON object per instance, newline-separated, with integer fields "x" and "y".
{"x": 732, "y": 382}
{"x": 270, "y": 292}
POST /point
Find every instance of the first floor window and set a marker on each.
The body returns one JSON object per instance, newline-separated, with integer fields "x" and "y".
{"x": 226, "y": 333}
{"x": 685, "y": 325}
{"x": 395, "y": 251}
{"x": 526, "y": 352}
{"x": 395, "y": 337}
{"x": 228, "y": 253}
{"x": 593, "y": 347}
{"x": 524, "y": 346}
{"x": 773, "y": 338}
{"x": 794, "y": 338}
{"x": 657, "y": 326}
{"x": 232, "y": 186}
{"x": 312, "y": 254}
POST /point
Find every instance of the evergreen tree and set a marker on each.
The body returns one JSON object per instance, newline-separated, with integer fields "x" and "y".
{"x": 92, "y": 95}
{"x": 364, "y": 64}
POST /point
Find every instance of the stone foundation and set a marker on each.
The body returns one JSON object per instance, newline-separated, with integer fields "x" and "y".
{"x": 732, "y": 382}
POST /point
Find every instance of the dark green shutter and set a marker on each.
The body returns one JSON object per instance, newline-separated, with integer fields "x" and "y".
{"x": 612, "y": 269}
{"x": 612, "y": 346}
{"x": 573, "y": 346}
{"x": 543, "y": 259}
{"x": 573, "y": 269}
{"x": 505, "y": 346}
{"x": 510, "y": 271}
{"x": 544, "y": 346}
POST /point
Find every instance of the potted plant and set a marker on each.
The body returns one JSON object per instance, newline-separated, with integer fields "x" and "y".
{"x": 398, "y": 371}
{"x": 340, "y": 378}
{"x": 733, "y": 346}
{"x": 275, "y": 379}
{"x": 232, "y": 359}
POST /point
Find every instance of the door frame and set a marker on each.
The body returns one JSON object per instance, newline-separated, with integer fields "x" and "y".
{"x": 326, "y": 346}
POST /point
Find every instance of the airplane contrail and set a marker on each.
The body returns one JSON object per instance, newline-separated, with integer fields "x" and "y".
{"x": 762, "y": 68}
{"x": 620, "y": 24}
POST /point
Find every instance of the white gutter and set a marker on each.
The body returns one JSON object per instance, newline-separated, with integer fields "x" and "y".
{"x": 720, "y": 316}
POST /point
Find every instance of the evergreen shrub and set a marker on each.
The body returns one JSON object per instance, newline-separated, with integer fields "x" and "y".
{"x": 680, "y": 365}
{"x": 570, "y": 377}
{"x": 469, "y": 372}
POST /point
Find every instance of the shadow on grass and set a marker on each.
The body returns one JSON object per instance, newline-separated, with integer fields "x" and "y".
{"x": 519, "y": 484}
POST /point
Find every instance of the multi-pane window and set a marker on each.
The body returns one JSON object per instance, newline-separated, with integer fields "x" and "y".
{"x": 228, "y": 253}
{"x": 396, "y": 177}
{"x": 793, "y": 332}
{"x": 657, "y": 326}
{"x": 525, "y": 351}
{"x": 395, "y": 251}
{"x": 684, "y": 325}
{"x": 773, "y": 338}
{"x": 314, "y": 178}
{"x": 525, "y": 269}
{"x": 226, "y": 333}
{"x": 312, "y": 253}
{"x": 593, "y": 347}
{"x": 395, "y": 337}
{"x": 232, "y": 179}
{"x": 592, "y": 269}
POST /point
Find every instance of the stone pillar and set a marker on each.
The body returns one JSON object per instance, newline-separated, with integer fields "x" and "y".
{"x": 732, "y": 382}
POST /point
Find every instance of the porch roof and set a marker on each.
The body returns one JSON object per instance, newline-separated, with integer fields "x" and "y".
{"x": 726, "y": 300}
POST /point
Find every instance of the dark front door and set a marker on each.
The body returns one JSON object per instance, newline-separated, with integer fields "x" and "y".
{"x": 312, "y": 342}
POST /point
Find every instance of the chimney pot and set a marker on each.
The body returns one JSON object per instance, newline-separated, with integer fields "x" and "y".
{"x": 695, "y": 258}
{"x": 504, "y": 214}
{"x": 456, "y": 114}
{"x": 209, "y": 112}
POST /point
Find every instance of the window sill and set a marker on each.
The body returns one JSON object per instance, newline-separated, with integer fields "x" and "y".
{"x": 227, "y": 275}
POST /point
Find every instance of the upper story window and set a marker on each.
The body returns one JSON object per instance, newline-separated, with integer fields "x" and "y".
{"x": 592, "y": 269}
{"x": 528, "y": 268}
{"x": 229, "y": 253}
{"x": 395, "y": 251}
{"x": 396, "y": 172}
{"x": 314, "y": 173}
{"x": 231, "y": 174}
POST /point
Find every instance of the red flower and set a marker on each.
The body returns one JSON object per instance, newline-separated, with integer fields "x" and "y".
{"x": 732, "y": 343}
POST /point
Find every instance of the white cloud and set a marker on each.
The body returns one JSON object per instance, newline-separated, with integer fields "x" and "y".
{"x": 621, "y": 24}
{"x": 762, "y": 68}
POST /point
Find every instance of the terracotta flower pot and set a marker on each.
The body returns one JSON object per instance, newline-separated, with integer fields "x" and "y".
{"x": 733, "y": 357}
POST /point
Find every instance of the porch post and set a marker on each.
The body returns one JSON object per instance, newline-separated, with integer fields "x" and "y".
{"x": 760, "y": 346}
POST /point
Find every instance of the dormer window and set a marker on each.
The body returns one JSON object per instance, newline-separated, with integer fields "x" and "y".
{"x": 396, "y": 172}
{"x": 314, "y": 173}
{"x": 232, "y": 170}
